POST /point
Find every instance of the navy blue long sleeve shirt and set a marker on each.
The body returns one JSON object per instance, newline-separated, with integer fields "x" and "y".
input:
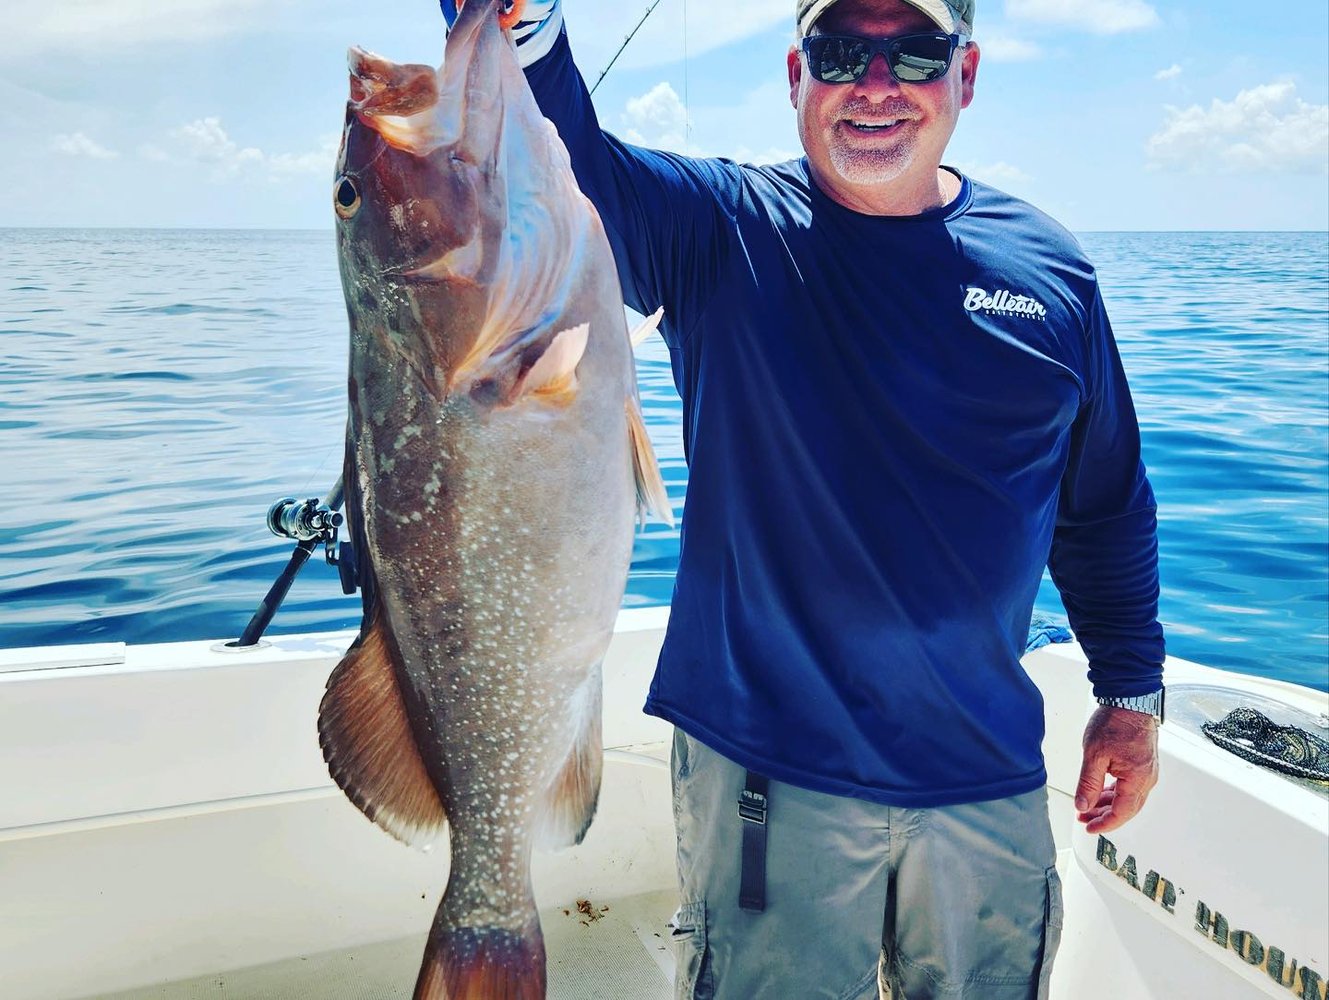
{"x": 891, "y": 425}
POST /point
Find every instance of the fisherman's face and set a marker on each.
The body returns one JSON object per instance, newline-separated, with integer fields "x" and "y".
{"x": 881, "y": 170}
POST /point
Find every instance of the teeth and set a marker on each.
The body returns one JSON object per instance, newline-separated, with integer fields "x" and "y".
{"x": 874, "y": 125}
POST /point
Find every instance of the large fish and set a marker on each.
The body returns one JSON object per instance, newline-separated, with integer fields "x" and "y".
{"x": 496, "y": 462}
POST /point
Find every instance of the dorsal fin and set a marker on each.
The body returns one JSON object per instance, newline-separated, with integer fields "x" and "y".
{"x": 646, "y": 327}
{"x": 652, "y": 497}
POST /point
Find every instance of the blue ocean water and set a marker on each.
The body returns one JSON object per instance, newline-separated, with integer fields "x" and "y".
{"x": 159, "y": 389}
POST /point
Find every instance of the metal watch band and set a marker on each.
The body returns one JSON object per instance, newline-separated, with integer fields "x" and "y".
{"x": 1148, "y": 704}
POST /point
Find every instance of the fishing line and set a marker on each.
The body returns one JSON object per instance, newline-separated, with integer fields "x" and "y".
{"x": 687, "y": 108}
{"x": 604, "y": 72}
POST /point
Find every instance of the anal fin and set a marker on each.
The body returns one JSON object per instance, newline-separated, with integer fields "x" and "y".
{"x": 572, "y": 796}
{"x": 368, "y": 744}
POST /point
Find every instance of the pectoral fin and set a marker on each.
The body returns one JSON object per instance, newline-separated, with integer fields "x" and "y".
{"x": 554, "y": 374}
{"x": 652, "y": 497}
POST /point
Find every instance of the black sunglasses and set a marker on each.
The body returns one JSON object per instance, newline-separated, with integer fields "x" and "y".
{"x": 911, "y": 58}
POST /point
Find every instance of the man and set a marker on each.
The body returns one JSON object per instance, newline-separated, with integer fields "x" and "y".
{"x": 901, "y": 401}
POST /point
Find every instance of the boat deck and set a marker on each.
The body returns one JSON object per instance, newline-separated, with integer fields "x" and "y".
{"x": 622, "y": 952}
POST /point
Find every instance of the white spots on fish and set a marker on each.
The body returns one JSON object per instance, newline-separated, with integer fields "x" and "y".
{"x": 432, "y": 486}
{"x": 405, "y": 435}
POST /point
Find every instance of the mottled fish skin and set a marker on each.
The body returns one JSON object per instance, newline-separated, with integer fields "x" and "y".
{"x": 490, "y": 484}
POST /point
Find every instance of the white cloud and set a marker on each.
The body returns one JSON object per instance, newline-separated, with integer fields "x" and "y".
{"x": 772, "y": 154}
{"x": 317, "y": 161}
{"x": 79, "y": 24}
{"x": 1265, "y": 129}
{"x": 997, "y": 173}
{"x": 1102, "y": 17}
{"x": 1171, "y": 73}
{"x": 205, "y": 141}
{"x": 1005, "y": 48}
{"x": 657, "y": 119}
{"x": 79, "y": 144}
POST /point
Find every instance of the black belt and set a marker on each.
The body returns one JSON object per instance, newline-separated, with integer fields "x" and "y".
{"x": 752, "y": 811}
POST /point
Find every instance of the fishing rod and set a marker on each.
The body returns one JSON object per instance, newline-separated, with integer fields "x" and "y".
{"x": 605, "y": 72}
{"x": 310, "y": 523}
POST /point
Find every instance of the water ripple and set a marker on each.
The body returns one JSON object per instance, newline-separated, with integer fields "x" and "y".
{"x": 160, "y": 389}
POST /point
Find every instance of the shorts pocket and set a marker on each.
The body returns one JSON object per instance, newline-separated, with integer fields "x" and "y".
{"x": 691, "y": 969}
{"x": 1054, "y": 915}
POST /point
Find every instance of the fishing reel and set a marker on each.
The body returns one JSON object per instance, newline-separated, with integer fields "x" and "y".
{"x": 309, "y": 523}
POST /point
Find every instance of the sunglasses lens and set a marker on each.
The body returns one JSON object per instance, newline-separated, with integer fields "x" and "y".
{"x": 920, "y": 58}
{"x": 834, "y": 59}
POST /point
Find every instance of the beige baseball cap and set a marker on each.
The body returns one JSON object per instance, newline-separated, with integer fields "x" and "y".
{"x": 952, "y": 16}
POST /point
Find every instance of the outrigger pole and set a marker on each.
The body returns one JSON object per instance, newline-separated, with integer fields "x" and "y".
{"x": 310, "y": 524}
{"x": 605, "y": 72}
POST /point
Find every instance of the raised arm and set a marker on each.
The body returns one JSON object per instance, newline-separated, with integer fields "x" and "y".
{"x": 669, "y": 217}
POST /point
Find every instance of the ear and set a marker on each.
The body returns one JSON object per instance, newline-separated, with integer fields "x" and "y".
{"x": 795, "y": 64}
{"x": 968, "y": 73}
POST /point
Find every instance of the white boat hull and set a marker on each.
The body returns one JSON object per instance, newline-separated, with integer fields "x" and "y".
{"x": 167, "y": 816}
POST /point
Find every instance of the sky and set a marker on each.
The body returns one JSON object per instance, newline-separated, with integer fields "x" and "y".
{"x": 1109, "y": 114}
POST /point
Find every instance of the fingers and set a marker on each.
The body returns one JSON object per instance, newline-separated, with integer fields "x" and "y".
{"x": 1119, "y": 801}
{"x": 1093, "y": 773}
{"x": 1097, "y": 810}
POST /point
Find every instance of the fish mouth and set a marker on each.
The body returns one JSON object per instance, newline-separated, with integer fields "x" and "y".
{"x": 398, "y": 101}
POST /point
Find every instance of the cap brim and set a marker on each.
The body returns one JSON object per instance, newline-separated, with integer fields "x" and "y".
{"x": 937, "y": 10}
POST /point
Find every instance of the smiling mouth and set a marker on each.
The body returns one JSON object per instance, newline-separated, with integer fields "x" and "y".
{"x": 872, "y": 127}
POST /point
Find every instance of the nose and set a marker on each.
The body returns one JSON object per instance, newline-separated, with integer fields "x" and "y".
{"x": 877, "y": 78}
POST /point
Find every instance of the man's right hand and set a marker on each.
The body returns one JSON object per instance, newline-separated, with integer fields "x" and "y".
{"x": 537, "y": 27}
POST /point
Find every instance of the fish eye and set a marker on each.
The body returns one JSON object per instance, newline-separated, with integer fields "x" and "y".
{"x": 346, "y": 198}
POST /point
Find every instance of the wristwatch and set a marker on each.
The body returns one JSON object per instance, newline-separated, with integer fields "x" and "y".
{"x": 1149, "y": 704}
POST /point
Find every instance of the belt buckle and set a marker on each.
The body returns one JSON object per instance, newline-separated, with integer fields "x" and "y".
{"x": 752, "y": 807}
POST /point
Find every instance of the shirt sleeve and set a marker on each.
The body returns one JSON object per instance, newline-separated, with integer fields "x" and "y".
{"x": 1104, "y": 557}
{"x": 669, "y": 218}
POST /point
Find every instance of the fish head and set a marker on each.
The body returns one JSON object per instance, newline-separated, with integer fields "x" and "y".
{"x": 436, "y": 168}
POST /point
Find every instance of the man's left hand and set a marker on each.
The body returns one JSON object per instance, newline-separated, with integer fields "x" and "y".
{"x": 1123, "y": 744}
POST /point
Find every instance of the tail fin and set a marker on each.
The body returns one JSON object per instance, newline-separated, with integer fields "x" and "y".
{"x": 483, "y": 963}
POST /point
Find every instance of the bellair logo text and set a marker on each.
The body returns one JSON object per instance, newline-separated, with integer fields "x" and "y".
{"x": 1003, "y": 302}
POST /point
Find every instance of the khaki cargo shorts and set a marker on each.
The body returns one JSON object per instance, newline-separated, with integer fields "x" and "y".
{"x": 952, "y": 903}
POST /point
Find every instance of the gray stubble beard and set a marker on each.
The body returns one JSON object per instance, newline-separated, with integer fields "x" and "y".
{"x": 871, "y": 166}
